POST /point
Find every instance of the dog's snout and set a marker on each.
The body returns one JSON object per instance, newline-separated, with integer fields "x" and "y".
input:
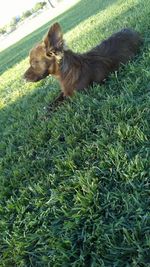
{"x": 30, "y": 76}
{"x": 25, "y": 78}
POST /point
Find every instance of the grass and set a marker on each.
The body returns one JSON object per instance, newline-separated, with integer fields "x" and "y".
{"x": 75, "y": 186}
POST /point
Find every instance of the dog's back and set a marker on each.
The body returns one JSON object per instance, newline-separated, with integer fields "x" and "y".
{"x": 108, "y": 55}
{"x": 124, "y": 44}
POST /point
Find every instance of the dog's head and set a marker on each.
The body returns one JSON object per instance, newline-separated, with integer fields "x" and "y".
{"x": 45, "y": 57}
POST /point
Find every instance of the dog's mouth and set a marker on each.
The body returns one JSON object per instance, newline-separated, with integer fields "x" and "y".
{"x": 31, "y": 76}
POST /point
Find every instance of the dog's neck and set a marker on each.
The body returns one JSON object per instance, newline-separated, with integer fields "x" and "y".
{"x": 70, "y": 61}
{"x": 69, "y": 71}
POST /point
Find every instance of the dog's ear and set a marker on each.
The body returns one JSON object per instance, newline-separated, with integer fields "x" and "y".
{"x": 54, "y": 38}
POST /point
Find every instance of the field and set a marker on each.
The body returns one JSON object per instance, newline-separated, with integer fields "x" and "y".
{"x": 74, "y": 186}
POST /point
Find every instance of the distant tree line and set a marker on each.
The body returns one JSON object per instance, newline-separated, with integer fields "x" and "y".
{"x": 15, "y": 20}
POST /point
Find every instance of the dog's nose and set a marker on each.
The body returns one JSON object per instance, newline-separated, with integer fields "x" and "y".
{"x": 24, "y": 79}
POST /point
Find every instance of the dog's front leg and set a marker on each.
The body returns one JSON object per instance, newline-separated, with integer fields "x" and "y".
{"x": 57, "y": 101}
{"x": 59, "y": 98}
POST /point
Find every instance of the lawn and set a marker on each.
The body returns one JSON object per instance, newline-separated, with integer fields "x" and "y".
{"x": 74, "y": 186}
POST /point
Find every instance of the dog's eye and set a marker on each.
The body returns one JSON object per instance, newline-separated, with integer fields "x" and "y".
{"x": 34, "y": 63}
{"x": 50, "y": 54}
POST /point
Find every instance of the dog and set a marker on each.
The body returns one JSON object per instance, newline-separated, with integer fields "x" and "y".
{"x": 78, "y": 71}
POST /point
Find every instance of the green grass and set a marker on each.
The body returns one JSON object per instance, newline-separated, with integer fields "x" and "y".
{"x": 74, "y": 187}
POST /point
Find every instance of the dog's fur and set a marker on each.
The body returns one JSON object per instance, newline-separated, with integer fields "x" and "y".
{"x": 77, "y": 71}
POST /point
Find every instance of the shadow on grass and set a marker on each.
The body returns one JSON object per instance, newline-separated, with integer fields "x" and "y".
{"x": 69, "y": 19}
{"x": 26, "y": 151}
{"x": 26, "y": 114}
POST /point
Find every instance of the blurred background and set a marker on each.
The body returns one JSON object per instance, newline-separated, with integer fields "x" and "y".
{"x": 19, "y": 18}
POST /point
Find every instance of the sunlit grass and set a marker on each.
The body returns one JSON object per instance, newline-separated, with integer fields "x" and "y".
{"x": 75, "y": 185}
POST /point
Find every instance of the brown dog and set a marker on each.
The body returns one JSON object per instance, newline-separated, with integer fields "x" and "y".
{"x": 78, "y": 71}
